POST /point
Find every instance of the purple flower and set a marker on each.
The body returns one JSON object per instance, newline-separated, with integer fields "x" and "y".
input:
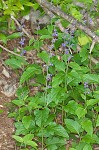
{"x": 49, "y": 87}
{"x": 22, "y": 41}
{"x": 55, "y": 34}
{"x": 23, "y": 52}
{"x": 86, "y": 85}
{"x": 63, "y": 45}
{"x": 66, "y": 51}
{"x": 69, "y": 58}
{"x": 49, "y": 76}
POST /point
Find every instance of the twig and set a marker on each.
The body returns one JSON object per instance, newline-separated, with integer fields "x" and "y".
{"x": 28, "y": 35}
{"x": 92, "y": 46}
{"x": 10, "y": 51}
{"x": 67, "y": 17}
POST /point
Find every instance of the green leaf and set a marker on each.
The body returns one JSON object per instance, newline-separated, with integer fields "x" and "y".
{"x": 14, "y": 35}
{"x": 81, "y": 112}
{"x": 75, "y": 66}
{"x": 17, "y": 138}
{"x": 20, "y": 129}
{"x": 71, "y": 107}
{"x": 28, "y": 137}
{"x": 83, "y": 40}
{"x": 87, "y": 126}
{"x": 92, "y": 102}
{"x": 26, "y": 120}
{"x": 29, "y": 72}
{"x": 3, "y": 38}
{"x": 87, "y": 147}
{"x": 45, "y": 36}
{"x": 58, "y": 79}
{"x": 41, "y": 116}
{"x": 59, "y": 65}
{"x": 55, "y": 141}
{"x": 18, "y": 102}
{"x": 59, "y": 130}
{"x": 44, "y": 56}
{"x": 93, "y": 78}
{"x": 73, "y": 126}
{"x": 32, "y": 143}
{"x": 72, "y": 149}
{"x": 50, "y": 29}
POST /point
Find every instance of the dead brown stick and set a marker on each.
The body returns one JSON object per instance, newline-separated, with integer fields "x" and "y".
{"x": 9, "y": 51}
{"x": 59, "y": 12}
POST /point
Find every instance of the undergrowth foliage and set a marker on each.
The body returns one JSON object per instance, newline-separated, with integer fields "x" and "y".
{"x": 65, "y": 108}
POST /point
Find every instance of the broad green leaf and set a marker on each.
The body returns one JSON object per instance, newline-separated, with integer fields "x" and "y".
{"x": 80, "y": 112}
{"x": 41, "y": 116}
{"x": 44, "y": 56}
{"x": 72, "y": 149}
{"x": 29, "y": 72}
{"x": 45, "y": 36}
{"x": 92, "y": 102}
{"x": 20, "y": 129}
{"x": 71, "y": 107}
{"x": 59, "y": 65}
{"x": 18, "y": 102}
{"x": 83, "y": 40}
{"x": 28, "y": 137}
{"x": 61, "y": 131}
{"x": 32, "y": 143}
{"x": 93, "y": 78}
{"x": 55, "y": 141}
{"x": 97, "y": 121}
{"x": 90, "y": 139}
{"x": 3, "y": 38}
{"x": 50, "y": 28}
{"x": 87, "y": 126}
{"x": 87, "y": 147}
{"x": 26, "y": 120}
{"x": 75, "y": 66}
{"x": 14, "y": 63}
{"x": 18, "y": 138}
{"x": 58, "y": 79}
{"x": 73, "y": 126}
{"x": 14, "y": 35}
{"x": 22, "y": 92}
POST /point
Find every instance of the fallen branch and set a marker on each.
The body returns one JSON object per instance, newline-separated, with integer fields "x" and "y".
{"x": 59, "y": 12}
{"x": 28, "y": 35}
{"x": 10, "y": 51}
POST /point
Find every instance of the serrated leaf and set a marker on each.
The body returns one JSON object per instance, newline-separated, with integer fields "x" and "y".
{"x": 87, "y": 126}
{"x": 28, "y": 137}
{"x": 41, "y": 116}
{"x": 58, "y": 79}
{"x": 80, "y": 112}
{"x": 44, "y": 56}
{"x": 83, "y": 40}
{"x": 59, "y": 130}
{"x": 30, "y": 71}
{"x": 87, "y": 147}
{"x": 14, "y": 35}
{"x": 71, "y": 107}
{"x": 45, "y": 36}
{"x": 92, "y": 102}
{"x": 73, "y": 126}
{"x": 75, "y": 66}
{"x": 26, "y": 120}
{"x": 93, "y": 78}
{"x": 17, "y": 138}
{"x": 18, "y": 102}
{"x": 32, "y": 143}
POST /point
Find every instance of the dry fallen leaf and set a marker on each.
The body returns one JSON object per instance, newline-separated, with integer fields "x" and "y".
{"x": 5, "y": 73}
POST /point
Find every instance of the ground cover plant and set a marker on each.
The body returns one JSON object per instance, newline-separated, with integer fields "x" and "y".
{"x": 63, "y": 112}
